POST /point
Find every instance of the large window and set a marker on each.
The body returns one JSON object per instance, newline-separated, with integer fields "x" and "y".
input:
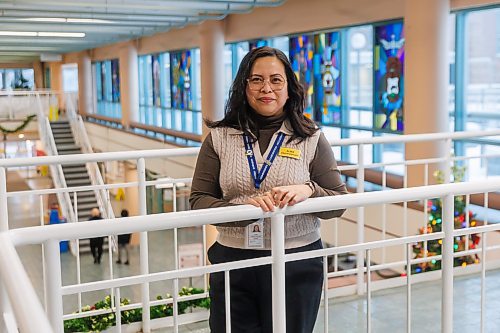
{"x": 482, "y": 67}
{"x": 170, "y": 90}
{"x": 154, "y": 90}
{"x": 185, "y": 82}
{"x": 70, "y": 77}
{"x": 17, "y": 79}
{"x": 360, "y": 76}
{"x": 106, "y": 80}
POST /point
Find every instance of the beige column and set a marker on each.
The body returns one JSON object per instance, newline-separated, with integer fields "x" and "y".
{"x": 426, "y": 82}
{"x": 56, "y": 81}
{"x": 129, "y": 83}
{"x": 212, "y": 70}
{"x": 212, "y": 82}
{"x": 85, "y": 104}
{"x": 38, "y": 73}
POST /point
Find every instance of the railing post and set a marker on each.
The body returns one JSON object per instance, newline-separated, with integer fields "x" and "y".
{"x": 53, "y": 285}
{"x": 360, "y": 262}
{"x": 278, "y": 275}
{"x": 4, "y": 226}
{"x": 447, "y": 266}
{"x": 447, "y": 249}
{"x": 144, "y": 265}
{"x": 4, "y": 213}
{"x": 5, "y": 307}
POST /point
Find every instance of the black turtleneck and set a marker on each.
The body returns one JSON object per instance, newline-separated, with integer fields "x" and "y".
{"x": 206, "y": 191}
{"x": 267, "y": 126}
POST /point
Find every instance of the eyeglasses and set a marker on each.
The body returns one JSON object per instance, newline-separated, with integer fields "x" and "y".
{"x": 276, "y": 82}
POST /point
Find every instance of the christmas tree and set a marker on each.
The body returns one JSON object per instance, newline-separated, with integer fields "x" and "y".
{"x": 435, "y": 209}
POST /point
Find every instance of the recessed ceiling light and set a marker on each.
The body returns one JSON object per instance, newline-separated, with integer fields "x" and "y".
{"x": 62, "y": 34}
{"x": 44, "y": 19}
{"x": 18, "y": 33}
{"x": 85, "y": 20}
{"x": 42, "y": 34}
{"x": 64, "y": 20}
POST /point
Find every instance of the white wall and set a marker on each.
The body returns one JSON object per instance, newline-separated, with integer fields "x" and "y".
{"x": 108, "y": 139}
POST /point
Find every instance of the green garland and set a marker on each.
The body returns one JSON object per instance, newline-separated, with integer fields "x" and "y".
{"x": 6, "y": 131}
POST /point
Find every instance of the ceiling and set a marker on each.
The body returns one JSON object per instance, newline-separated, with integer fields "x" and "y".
{"x": 29, "y": 28}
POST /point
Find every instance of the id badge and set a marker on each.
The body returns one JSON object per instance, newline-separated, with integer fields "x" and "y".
{"x": 255, "y": 235}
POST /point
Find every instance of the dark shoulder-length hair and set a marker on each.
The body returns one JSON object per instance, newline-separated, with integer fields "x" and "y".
{"x": 238, "y": 111}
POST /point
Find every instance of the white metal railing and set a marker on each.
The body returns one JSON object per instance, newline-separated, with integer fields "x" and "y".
{"x": 82, "y": 140}
{"x": 56, "y": 171}
{"x": 140, "y": 157}
{"x": 17, "y": 105}
{"x": 15, "y": 284}
{"x": 50, "y": 235}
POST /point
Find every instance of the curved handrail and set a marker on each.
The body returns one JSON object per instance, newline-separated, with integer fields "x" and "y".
{"x": 55, "y": 170}
{"x": 24, "y": 300}
{"x": 81, "y": 138}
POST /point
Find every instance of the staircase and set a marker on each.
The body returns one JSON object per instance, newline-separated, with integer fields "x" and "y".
{"x": 75, "y": 175}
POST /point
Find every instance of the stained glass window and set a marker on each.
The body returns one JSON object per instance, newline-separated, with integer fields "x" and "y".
{"x": 115, "y": 80}
{"x": 180, "y": 63}
{"x": 301, "y": 58}
{"x": 326, "y": 64}
{"x": 107, "y": 88}
{"x": 155, "y": 70}
{"x": 389, "y": 77}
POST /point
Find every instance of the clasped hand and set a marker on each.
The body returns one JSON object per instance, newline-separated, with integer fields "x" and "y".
{"x": 280, "y": 196}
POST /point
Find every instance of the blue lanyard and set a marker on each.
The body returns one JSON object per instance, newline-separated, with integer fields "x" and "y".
{"x": 259, "y": 176}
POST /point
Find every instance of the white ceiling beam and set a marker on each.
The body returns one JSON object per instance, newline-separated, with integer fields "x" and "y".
{"x": 137, "y": 16}
{"x": 131, "y": 19}
{"x": 24, "y": 21}
{"x": 97, "y": 5}
{"x": 58, "y": 27}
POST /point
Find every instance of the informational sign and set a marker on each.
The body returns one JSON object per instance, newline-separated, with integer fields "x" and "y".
{"x": 191, "y": 255}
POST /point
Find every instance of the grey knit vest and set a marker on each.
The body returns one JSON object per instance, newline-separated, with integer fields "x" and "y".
{"x": 237, "y": 184}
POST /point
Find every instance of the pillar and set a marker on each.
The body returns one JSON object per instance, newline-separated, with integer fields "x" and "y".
{"x": 56, "y": 81}
{"x": 212, "y": 70}
{"x": 129, "y": 83}
{"x": 426, "y": 84}
{"x": 38, "y": 73}
{"x": 212, "y": 83}
{"x": 85, "y": 104}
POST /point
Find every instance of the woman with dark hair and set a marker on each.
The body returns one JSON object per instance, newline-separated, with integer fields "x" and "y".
{"x": 265, "y": 153}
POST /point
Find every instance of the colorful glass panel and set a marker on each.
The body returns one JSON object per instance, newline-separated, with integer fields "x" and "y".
{"x": 181, "y": 80}
{"x": 301, "y": 58}
{"x": 257, "y": 43}
{"x": 389, "y": 77}
{"x": 155, "y": 70}
{"x": 326, "y": 64}
{"x": 115, "y": 77}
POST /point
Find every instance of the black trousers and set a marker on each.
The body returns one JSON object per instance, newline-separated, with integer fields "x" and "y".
{"x": 96, "y": 248}
{"x": 251, "y": 292}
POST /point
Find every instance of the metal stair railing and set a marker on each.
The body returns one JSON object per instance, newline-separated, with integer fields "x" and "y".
{"x": 102, "y": 194}
{"x": 56, "y": 171}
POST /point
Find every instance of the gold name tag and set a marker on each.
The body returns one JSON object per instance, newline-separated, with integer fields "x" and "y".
{"x": 289, "y": 152}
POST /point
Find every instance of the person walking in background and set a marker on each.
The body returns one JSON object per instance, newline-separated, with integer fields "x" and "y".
{"x": 265, "y": 153}
{"x": 123, "y": 242}
{"x": 54, "y": 216}
{"x": 96, "y": 242}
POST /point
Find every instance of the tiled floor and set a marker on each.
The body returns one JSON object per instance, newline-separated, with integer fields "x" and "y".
{"x": 346, "y": 314}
